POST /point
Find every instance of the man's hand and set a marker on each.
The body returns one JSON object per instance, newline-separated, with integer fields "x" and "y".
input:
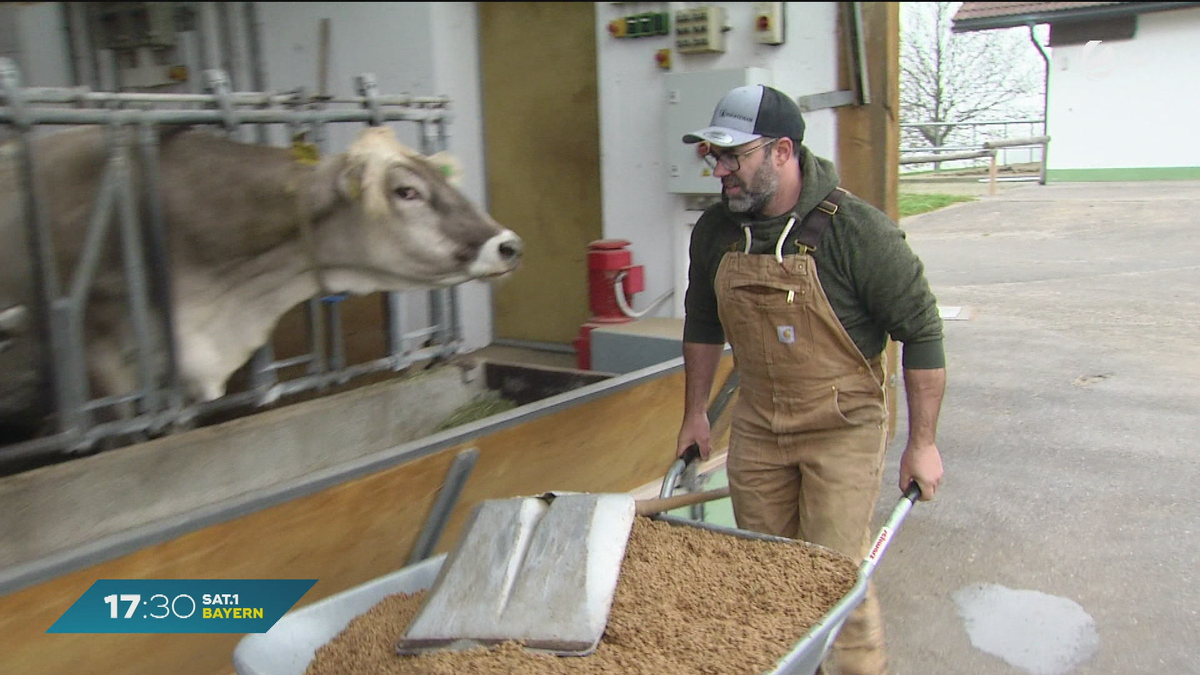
{"x": 696, "y": 430}
{"x": 922, "y": 463}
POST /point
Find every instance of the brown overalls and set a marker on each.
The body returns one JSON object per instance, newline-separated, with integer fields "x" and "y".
{"x": 809, "y": 429}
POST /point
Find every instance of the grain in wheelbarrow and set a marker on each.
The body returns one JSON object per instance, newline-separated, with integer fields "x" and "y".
{"x": 687, "y": 601}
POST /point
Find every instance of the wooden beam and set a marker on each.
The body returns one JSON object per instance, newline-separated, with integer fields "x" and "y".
{"x": 869, "y": 135}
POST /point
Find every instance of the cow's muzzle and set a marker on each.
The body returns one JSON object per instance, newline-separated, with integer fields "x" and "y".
{"x": 499, "y": 255}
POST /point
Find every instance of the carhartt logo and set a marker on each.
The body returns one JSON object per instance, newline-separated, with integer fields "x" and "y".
{"x": 787, "y": 334}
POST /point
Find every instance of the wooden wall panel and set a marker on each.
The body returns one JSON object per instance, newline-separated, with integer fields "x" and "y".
{"x": 542, "y": 135}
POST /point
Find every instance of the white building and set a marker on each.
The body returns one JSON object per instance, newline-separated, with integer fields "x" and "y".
{"x": 1122, "y": 86}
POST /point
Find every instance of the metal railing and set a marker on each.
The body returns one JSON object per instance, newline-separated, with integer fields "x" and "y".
{"x": 990, "y": 149}
{"x": 970, "y": 136}
{"x": 132, "y": 120}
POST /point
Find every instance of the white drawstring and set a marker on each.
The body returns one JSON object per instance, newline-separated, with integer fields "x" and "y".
{"x": 746, "y": 230}
{"x": 779, "y": 244}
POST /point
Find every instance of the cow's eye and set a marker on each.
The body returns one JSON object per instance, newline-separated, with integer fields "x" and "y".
{"x": 407, "y": 193}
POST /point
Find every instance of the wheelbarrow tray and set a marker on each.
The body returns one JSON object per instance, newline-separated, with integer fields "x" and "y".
{"x": 290, "y": 645}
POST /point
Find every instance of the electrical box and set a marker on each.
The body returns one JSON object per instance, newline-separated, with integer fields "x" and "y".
{"x": 691, "y": 98}
{"x": 700, "y": 29}
{"x": 142, "y": 37}
{"x": 768, "y": 23}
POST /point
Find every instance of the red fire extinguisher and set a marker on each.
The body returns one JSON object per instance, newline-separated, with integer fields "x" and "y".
{"x": 608, "y": 261}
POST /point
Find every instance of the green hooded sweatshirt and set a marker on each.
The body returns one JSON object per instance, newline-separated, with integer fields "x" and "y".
{"x": 874, "y": 281}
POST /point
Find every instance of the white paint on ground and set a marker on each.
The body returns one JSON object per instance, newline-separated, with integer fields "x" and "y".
{"x": 1038, "y": 633}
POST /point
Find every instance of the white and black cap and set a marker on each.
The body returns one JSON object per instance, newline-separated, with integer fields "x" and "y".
{"x": 751, "y": 112}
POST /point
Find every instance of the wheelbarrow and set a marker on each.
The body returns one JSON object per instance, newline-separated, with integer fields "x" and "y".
{"x": 289, "y": 646}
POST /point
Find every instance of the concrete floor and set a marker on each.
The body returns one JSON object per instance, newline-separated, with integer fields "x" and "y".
{"x": 1064, "y": 538}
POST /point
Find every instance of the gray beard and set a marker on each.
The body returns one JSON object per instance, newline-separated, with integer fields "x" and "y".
{"x": 757, "y": 195}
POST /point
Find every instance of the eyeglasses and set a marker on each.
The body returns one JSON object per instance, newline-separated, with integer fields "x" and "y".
{"x": 731, "y": 161}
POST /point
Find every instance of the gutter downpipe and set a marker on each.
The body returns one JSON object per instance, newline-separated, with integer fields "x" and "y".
{"x": 1045, "y": 102}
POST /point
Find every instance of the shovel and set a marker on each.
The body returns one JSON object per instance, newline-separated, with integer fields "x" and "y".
{"x": 538, "y": 570}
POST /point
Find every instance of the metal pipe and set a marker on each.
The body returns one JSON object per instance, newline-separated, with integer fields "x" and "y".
{"x": 1045, "y": 100}
{"x": 439, "y": 513}
{"x": 258, "y": 74}
{"x": 159, "y": 251}
{"x": 36, "y": 116}
{"x": 97, "y": 231}
{"x": 83, "y": 94}
{"x": 47, "y": 287}
{"x": 135, "y": 271}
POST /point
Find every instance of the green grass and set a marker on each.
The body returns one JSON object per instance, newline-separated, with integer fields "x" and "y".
{"x": 484, "y": 405}
{"x": 911, "y": 204}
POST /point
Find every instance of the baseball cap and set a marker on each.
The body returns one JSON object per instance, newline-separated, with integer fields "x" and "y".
{"x": 751, "y": 112}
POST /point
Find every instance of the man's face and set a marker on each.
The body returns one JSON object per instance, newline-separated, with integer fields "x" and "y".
{"x": 752, "y": 186}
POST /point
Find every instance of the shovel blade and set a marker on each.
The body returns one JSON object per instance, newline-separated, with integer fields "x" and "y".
{"x": 539, "y": 570}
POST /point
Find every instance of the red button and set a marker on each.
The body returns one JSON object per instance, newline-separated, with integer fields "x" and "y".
{"x": 764, "y": 23}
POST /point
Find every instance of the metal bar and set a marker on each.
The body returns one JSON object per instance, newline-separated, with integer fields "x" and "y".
{"x": 53, "y": 331}
{"x": 159, "y": 259}
{"x": 394, "y": 306}
{"x": 38, "y": 116}
{"x": 337, "y": 341}
{"x": 925, "y": 159}
{"x": 323, "y": 39}
{"x": 448, "y": 495}
{"x": 258, "y": 74}
{"x": 367, "y": 88}
{"x": 85, "y": 95}
{"x": 97, "y": 231}
{"x": 135, "y": 269}
{"x": 825, "y": 100}
{"x": 315, "y": 314}
{"x": 1017, "y": 142}
{"x": 294, "y": 361}
{"x": 913, "y": 125}
{"x": 862, "y": 83}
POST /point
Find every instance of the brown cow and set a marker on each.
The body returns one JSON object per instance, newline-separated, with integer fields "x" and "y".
{"x": 251, "y": 233}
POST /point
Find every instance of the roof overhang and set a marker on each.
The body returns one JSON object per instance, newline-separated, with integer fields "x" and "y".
{"x": 1036, "y": 17}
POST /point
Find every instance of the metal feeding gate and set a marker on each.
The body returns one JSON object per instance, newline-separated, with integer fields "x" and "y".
{"x": 133, "y": 120}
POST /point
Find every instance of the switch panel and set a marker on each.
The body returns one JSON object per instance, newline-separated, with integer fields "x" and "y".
{"x": 768, "y": 23}
{"x": 700, "y": 29}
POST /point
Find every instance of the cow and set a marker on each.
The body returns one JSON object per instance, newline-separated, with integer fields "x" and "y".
{"x": 251, "y": 232}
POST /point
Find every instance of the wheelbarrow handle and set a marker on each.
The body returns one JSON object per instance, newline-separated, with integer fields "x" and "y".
{"x": 691, "y": 454}
{"x": 884, "y": 538}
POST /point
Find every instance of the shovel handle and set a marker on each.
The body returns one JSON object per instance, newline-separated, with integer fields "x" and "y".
{"x": 647, "y": 507}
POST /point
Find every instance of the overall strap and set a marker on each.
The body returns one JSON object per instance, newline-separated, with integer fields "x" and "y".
{"x": 818, "y": 220}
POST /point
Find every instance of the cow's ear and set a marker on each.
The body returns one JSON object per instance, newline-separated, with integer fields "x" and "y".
{"x": 448, "y": 165}
{"x": 336, "y": 180}
{"x": 350, "y": 179}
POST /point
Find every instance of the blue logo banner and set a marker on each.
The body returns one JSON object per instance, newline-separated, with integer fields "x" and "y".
{"x": 182, "y": 605}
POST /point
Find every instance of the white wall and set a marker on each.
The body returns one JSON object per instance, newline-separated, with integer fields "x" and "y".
{"x": 1128, "y": 103}
{"x": 40, "y": 47}
{"x": 637, "y": 205}
{"x": 419, "y": 48}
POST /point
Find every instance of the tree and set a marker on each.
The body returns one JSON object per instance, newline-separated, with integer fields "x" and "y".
{"x": 965, "y": 77}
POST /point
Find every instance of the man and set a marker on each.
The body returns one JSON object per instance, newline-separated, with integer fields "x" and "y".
{"x": 806, "y": 281}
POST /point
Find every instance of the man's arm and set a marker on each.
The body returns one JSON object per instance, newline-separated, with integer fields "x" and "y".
{"x": 700, "y": 362}
{"x": 921, "y": 460}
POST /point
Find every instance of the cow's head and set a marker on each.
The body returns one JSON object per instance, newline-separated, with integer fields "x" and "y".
{"x": 406, "y": 224}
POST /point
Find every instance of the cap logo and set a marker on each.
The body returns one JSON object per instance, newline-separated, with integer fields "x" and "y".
{"x": 729, "y": 113}
{"x": 720, "y": 136}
